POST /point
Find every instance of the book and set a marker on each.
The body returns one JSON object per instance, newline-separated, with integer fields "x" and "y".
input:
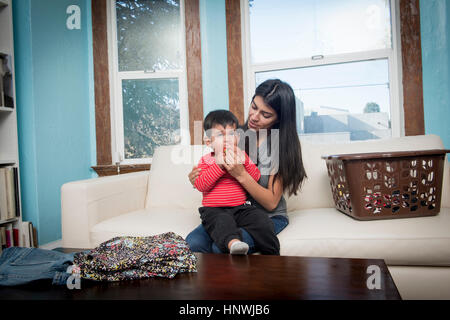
{"x": 16, "y": 239}
{"x": 29, "y": 235}
{"x": 30, "y": 231}
{"x": 2, "y": 96}
{"x": 7, "y": 85}
{"x": 16, "y": 190}
{"x": 9, "y": 236}
{"x": 3, "y": 237}
{"x": 26, "y": 234}
{"x": 10, "y": 192}
{"x": 35, "y": 239}
{"x": 3, "y": 196}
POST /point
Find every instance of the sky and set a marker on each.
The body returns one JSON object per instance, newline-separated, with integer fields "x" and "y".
{"x": 325, "y": 27}
{"x": 347, "y": 86}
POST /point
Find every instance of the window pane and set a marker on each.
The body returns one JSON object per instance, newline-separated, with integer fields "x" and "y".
{"x": 341, "y": 102}
{"x": 151, "y": 116}
{"x": 294, "y": 29}
{"x": 148, "y": 35}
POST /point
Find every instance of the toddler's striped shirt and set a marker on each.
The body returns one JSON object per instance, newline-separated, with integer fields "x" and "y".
{"x": 221, "y": 189}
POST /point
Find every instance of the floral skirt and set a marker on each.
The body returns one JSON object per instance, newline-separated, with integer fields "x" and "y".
{"x": 127, "y": 258}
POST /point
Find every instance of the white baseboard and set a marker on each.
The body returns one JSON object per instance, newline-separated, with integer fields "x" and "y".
{"x": 52, "y": 245}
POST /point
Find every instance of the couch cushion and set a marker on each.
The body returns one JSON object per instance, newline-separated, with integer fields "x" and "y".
{"x": 322, "y": 232}
{"x": 146, "y": 223}
{"x": 327, "y": 232}
{"x": 169, "y": 184}
{"x": 316, "y": 191}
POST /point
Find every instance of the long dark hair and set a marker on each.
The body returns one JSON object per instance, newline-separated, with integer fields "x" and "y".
{"x": 280, "y": 96}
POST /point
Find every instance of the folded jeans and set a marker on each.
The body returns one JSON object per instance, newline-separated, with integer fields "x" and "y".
{"x": 20, "y": 266}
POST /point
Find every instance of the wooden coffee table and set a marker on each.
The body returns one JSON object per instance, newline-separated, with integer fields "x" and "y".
{"x": 227, "y": 277}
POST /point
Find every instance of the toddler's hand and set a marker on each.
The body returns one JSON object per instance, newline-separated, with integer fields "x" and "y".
{"x": 193, "y": 175}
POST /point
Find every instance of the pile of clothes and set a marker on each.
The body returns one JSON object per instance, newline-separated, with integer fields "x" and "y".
{"x": 121, "y": 258}
{"x": 127, "y": 258}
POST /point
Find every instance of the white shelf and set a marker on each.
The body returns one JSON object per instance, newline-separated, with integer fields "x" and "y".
{"x": 9, "y": 150}
{"x": 9, "y": 220}
{"x": 6, "y": 109}
{"x": 7, "y": 162}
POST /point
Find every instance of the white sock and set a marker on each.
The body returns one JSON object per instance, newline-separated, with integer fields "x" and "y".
{"x": 239, "y": 247}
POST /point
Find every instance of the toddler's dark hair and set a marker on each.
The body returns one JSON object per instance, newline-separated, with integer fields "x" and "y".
{"x": 219, "y": 117}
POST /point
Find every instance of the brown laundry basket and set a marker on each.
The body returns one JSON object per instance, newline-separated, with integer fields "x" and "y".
{"x": 371, "y": 186}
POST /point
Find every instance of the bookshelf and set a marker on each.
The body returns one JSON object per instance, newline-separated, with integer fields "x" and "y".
{"x": 10, "y": 210}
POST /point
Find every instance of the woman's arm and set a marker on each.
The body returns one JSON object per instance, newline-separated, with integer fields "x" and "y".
{"x": 251, "y": 168}
{"x": 267, "y": 197}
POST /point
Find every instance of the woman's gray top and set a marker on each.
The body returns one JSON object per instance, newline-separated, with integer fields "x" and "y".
{"x": 267, "y": 163}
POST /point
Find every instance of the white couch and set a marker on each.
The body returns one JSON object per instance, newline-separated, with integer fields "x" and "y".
{"x": 416, "y": 250}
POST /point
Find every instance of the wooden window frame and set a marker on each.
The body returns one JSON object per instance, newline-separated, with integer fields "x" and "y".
{"x": 411, "y": 94}
{"x": 412, "y": 67}
{"x": 105, "y": 164}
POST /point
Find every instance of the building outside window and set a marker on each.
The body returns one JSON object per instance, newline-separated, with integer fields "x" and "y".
{"x": 147, "y": 72}
{"x": 340, "y": 57}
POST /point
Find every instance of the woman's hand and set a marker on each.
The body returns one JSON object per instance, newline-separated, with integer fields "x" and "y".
{"x": 234, "y": 161}
{"x": 193, "y": 175}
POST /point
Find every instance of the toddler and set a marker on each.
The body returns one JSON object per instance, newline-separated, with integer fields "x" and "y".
{"x": 225, "y": 206}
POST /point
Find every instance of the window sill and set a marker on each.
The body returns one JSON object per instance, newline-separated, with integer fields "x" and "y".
{"x": 111, "y": 170}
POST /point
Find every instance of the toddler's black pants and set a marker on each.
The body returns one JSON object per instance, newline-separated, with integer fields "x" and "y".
{"x": 223, "y": 223}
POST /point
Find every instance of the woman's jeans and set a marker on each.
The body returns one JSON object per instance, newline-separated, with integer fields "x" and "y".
{"x": 22, "y": 265}
{"x": 200, "y": 241}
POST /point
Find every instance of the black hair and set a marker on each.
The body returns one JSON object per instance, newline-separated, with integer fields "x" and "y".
{"x": 280, "y": 96}
{"x": 219, "y": 117}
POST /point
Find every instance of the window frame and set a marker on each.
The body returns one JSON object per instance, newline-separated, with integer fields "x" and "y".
{"x": 393, "y": 55}
{"x": 115, "y": 80}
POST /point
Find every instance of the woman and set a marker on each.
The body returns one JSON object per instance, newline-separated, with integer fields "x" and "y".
{"x": 272, "y": 107}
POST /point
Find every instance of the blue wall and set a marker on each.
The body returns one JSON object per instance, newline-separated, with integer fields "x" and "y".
{"x": 435, "y": 37}
{"x": 55, "y": 106}
{"x": 213, "y": 32}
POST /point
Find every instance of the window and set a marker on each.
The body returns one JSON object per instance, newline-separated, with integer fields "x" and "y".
{"x": 147, "y": 68}
{"x": 340, "y": 57}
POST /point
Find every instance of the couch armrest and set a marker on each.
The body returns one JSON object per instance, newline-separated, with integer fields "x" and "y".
{"x": 445, "y": 195}
{"x": 85, "y": 203}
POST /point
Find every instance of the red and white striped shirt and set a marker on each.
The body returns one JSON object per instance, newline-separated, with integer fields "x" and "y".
{"x": 221, "y": 189}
